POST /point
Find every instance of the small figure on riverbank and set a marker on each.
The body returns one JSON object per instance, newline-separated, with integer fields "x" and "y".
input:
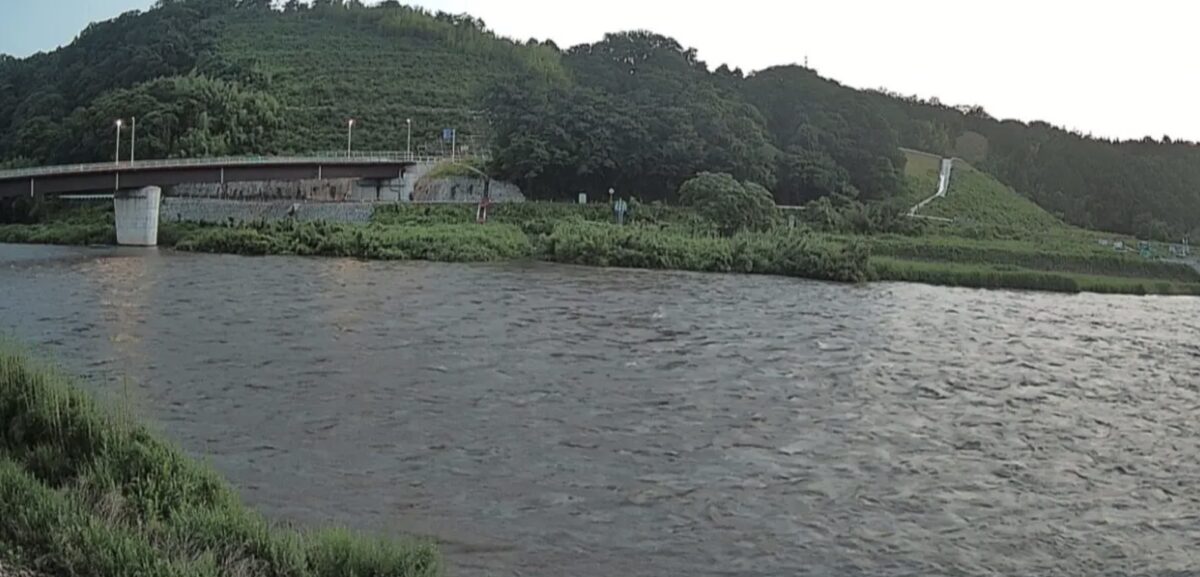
{"x": 620, "y": 209}
{"x": 481, "y": 212}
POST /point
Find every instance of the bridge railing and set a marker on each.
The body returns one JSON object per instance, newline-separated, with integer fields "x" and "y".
{"x": 324, "y": 156}
{"x": 392, "y": 155}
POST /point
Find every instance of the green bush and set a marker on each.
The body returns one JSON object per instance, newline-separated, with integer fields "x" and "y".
{"x": 733, "y": 206}
{"x": 83, "y": 492}
{"x": 849, "y": 216}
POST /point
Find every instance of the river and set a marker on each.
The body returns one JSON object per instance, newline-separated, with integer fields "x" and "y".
{"x": 549, "y": 420}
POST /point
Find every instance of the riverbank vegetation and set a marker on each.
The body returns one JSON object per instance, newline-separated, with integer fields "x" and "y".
{"x": 439, "y": 242}
{"x": 784, "y": 253}
{"x": 86, "y": 491}
{"x": 985, "y": 275}
{"x": 849, "y": 242}
{"x": 26, "y": 222}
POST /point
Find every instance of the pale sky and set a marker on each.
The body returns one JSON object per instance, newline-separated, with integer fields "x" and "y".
{"x": 1112, "y": 68}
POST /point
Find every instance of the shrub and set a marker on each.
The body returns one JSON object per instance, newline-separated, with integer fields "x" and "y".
{"x": 732, "y": 205}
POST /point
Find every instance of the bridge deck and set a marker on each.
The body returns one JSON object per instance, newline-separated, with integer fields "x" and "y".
{"x": 52, "y": 180}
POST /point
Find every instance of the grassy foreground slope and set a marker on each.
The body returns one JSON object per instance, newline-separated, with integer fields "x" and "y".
{"x": 84, "y": 491}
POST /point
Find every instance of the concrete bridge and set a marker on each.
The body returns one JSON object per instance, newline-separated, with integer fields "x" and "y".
{"x": 136, "y": 186}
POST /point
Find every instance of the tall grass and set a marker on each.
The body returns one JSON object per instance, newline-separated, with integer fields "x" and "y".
{"x": 1068, "y": 258}
{"x": 59, "y": 233}
{"x": 444, "y": 242}
{"x": 781, "y": 253}
{"x": 85, "y": 493}
{"x": 538, "y": 218}
{"x": 55, "y": 222}
{"x": 1011, "y": 277}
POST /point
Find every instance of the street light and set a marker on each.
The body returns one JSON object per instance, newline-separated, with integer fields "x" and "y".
{"x": 349, "y": 137}
{"x": 408, "y": 147}
{"x": 133, "y": 140}
{"x": 119, "y": 123}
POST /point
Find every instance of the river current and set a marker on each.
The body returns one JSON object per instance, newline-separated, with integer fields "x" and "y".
{"x": 548, "y": 420}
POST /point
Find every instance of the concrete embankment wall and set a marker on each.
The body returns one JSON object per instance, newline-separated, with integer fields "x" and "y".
{"x": 464, "y": 189}
{"x": 345, "y": 201}
{"x": 445, "y": 189}
{"x": 218, "y": 211}
{"x": 326, "y": 190}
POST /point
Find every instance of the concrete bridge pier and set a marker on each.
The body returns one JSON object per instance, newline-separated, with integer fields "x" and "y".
{"x": 137, "y": 216}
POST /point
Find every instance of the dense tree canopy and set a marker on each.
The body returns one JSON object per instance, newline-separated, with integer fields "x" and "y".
{"x": 825, "y": 128}
{"x": 637, "y": 111}
{"x": 642, "y": 113}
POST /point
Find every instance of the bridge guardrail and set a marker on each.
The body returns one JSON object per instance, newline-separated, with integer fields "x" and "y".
{"x": 325, "y": 156}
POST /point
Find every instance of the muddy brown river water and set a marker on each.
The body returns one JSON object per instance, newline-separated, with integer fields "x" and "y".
{"x": 549, "y": 420}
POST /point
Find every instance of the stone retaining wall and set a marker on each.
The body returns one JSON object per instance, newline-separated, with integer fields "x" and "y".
{"x": 464, "y": 189}
{"x": 218, "y": 211}
{"x": 327, "y": 190}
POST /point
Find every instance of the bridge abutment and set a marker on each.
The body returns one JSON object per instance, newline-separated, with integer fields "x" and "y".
{"x": 137, "y": 216}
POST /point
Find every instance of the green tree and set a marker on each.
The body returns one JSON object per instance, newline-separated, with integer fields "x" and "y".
{"x": 732, "y": 205}
{"x": 806, "y": 175}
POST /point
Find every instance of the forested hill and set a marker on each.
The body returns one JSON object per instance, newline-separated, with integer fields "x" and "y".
{"x": 635, "y": 111}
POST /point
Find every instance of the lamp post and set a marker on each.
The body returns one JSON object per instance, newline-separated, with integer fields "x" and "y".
{"x": 349, "y": 137}
{"x": 133, "y": 140}
{"x": 408, "y": 146}
{"x": 118, "y": 157}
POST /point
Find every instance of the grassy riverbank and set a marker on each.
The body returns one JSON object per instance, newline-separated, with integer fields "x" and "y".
{"x": 783, "y": 253}
{"x": 438, "y": 242}
{"x": 1030, "y": 252}
{"x": 84, "y": 491}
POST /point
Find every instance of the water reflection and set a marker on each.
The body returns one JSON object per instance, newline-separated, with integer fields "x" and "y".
{"x": 126, "y": 298}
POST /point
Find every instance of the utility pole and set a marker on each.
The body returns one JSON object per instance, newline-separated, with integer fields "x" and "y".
{"x": 349, "y": 137}
{"x": 133, "y": 141}
{"x": 119, "y": 122}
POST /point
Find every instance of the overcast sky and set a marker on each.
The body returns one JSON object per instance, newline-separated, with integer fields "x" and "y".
{"x": 1113, "y": 68}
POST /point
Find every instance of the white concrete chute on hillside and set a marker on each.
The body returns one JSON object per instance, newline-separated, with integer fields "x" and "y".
{"x": 943, "y": 187}
{"x": 944, "y": 176}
